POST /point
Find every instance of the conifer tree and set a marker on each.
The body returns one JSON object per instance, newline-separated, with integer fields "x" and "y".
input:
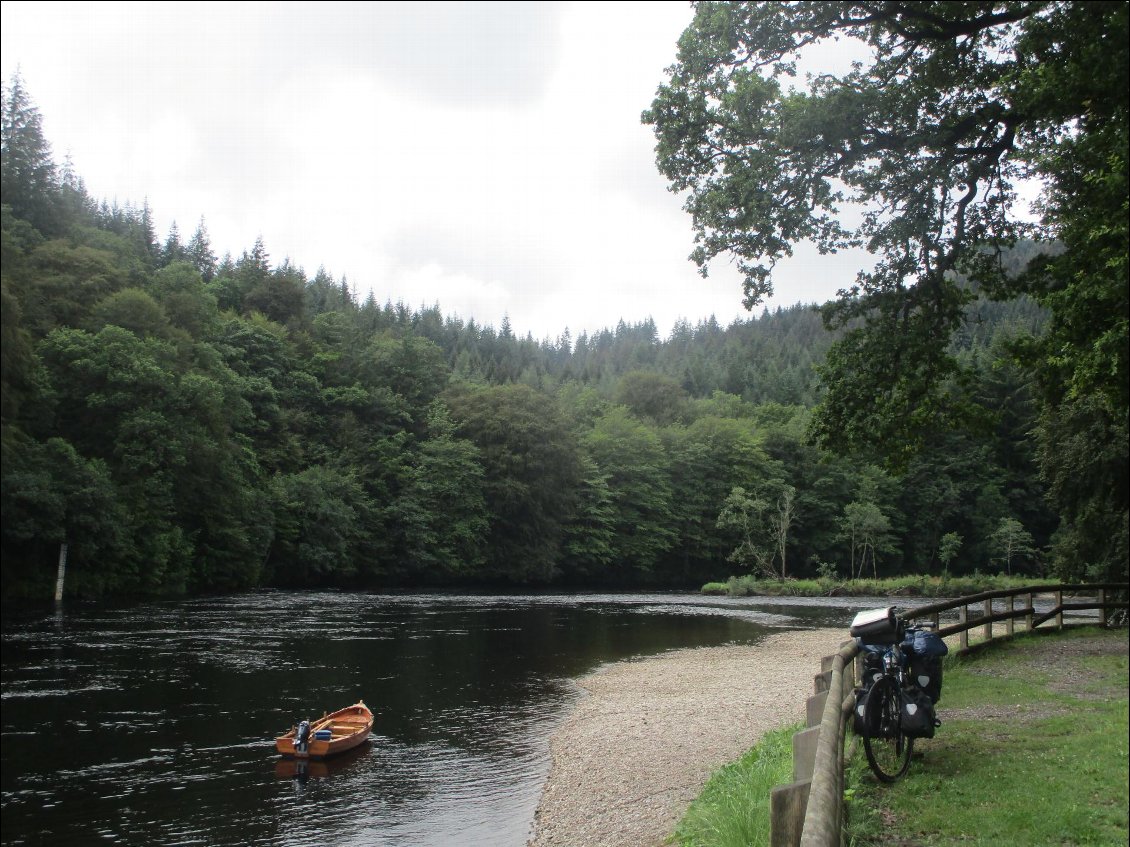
{"x": 27, "y": 170}
{"x": 199, "y": 251}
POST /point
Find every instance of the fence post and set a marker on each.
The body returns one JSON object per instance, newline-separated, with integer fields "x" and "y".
{"x": 1008, "y": 628}
{"x": 804, "y": 753}
{"x": 1102, "y": 607}
{"x": 814, "y": 709}
{"x": 1028, "y": 618}
{"x": 787, "y": 804}
{"x": 987, "y": 610}
{"x": 1059, "y": 605}
{"x": 963, "y": 618}
{"x": 825, "y": 801}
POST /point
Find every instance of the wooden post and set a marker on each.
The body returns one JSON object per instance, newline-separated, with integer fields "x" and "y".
{"x": 804, "y": 753}
{"x": 1059, "y": 605}
{"x": 821, "y": 825}
{"x": 937, "y": 618}
{"x": 787, "y": 805}
{"x": 987, "y": 611}
{"x": 62, "y": 575}
{"x": 963, "y": 618}
{"x": 1008, "y": 628}
{"x": 1028, "y": 618}
{"x": 1102, "y": 607}
{"x": 814, "y": 709}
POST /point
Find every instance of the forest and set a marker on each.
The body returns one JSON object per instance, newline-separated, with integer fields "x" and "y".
{"x": 188, "y": 423}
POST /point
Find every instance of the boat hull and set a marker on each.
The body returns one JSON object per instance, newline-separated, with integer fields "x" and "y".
{"x": 349, "y": 728}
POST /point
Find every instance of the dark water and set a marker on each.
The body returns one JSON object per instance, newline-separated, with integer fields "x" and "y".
{"x": 154, "y": 724}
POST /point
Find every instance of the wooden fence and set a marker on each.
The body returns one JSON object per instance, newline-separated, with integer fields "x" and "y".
{"x": 809, "y": 811}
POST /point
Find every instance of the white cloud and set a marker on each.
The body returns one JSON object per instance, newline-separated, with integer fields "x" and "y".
{"x": 486, "y": 156}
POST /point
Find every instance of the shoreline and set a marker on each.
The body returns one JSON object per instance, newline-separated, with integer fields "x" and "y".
{"x": 648, "y": 733}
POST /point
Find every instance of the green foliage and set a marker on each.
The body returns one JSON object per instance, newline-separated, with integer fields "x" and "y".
{"x": 749, "y": 516}
{"x": 900, "y": 586}
{"x": 869, "y": 531}
{"x": 188, "y": 424}
{"x": 1011, "y": 541}
{"x": 320, "y": 518}
{"x": 445, "y": 510}
{"x": 631, "y": 456}
{"x": 916, "y": 154}
{"x": 652, "y": 396}
{"x": 1083, "y": 448}
{"x": 733, "y": 808}
{"x": 28, "y": 174}
{"x": 948, "y": 549}
{"x": 1053, "y": 772}
{"x": 530, "y": 472}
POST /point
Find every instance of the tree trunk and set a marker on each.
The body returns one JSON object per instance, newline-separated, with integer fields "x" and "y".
{"x": 62, "y": 574}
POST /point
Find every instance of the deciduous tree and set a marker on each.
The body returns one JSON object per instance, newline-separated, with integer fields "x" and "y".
{"x": 916, "y": 154}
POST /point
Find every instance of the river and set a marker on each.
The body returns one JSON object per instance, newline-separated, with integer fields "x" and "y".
{"x": 154, "y": 724}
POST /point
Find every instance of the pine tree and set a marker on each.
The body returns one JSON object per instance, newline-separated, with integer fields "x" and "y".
{"x": 27, "y": 170}
{"x": 200, "y": 253}
{"x": 173, "y": 251}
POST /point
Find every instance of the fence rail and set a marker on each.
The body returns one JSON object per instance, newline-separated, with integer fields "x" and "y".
{"x": 809, "y": 811}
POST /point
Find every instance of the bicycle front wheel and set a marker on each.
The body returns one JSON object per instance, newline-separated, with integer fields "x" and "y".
{"x": 888, "y": 750}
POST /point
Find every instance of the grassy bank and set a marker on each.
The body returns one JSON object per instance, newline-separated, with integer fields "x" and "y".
{"x": 733, "y": 808}
{"x": 902, "y": 586}
{"x": 1033, "y": 750}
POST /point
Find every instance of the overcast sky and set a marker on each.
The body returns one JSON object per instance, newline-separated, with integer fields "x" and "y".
{"x": 485, "y": 156}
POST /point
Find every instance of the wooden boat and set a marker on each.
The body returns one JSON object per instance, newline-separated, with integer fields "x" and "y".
{"x": 329, "y": 735}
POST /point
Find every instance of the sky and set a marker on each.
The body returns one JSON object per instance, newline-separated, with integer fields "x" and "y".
{"x": 485, "y": 157}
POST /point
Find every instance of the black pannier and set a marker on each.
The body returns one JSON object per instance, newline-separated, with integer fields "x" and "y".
{"x": 925, "y": 672}
{"x": 857, "y": 713}
{"x": 924, "y": 649}
{"x": 871, "y": 660}
{"x": 917, "y": 718}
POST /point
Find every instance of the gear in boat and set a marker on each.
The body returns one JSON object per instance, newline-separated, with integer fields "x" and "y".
{"x": 329, "y": 735}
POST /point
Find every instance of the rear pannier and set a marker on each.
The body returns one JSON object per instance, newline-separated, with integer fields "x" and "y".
{"x": 924, "y": 649}
{"x": 917, "y": 718}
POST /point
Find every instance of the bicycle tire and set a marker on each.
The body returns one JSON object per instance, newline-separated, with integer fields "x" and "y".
{"x": 888, "y": 750}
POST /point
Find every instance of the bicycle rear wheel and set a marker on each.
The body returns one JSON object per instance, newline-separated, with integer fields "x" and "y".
{"x": 888, "y": 750}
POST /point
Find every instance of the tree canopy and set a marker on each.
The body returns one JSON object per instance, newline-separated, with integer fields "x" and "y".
{"x": 188, "y": 424}
{"x": 925, "y": 153}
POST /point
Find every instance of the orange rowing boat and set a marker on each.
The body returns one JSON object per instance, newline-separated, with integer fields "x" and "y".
{"x": 328, "y": 735}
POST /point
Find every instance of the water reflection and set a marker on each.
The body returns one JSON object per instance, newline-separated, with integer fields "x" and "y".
{"x": 155, "y": 724}
{"x": 303, "y": 769}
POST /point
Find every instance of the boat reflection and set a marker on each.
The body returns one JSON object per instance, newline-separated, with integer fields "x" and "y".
{"x": 304, "y": 769}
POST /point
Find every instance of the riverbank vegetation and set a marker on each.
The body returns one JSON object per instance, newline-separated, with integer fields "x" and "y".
{"x": 185, "y": 422}
{"x": 1032, "y": 750}
{"x": 732, "y": 810}
{"x": 920, "y": 585}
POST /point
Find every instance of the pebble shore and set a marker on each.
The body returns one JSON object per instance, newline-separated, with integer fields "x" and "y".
{"x": 642, "y": 742}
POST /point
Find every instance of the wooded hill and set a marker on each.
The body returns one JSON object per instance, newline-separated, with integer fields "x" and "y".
{"x": 191, "y": 424}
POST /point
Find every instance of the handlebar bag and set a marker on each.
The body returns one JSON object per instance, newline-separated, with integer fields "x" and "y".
{"x": 876, "y": 626}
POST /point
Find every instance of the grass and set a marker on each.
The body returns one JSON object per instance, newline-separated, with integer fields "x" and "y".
{"x": 916, "y": 586}
{"x": 1035, "y": 753}
{"x": 733, "y": 808}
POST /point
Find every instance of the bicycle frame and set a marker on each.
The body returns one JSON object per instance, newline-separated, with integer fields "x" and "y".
{"x": 887, "y": 748}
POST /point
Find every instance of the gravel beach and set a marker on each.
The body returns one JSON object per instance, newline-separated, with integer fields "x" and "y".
{"x": 637, "y": 749}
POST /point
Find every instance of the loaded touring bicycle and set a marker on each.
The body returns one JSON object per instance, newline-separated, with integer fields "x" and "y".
{"x": 901, "y": 682}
